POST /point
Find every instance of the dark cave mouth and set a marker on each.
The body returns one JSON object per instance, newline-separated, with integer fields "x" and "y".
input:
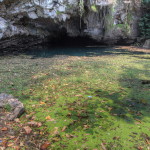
{"x": 85, "y": 41}
{"x": 67, "y": 41}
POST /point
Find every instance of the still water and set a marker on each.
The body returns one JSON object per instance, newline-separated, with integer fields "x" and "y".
{"x": 74, "y": 51}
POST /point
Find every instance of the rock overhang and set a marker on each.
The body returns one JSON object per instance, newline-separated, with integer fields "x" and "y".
{"x": 45, "y": 17}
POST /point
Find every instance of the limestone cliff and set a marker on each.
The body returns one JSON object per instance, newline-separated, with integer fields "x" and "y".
{"x": 101, "y": 20}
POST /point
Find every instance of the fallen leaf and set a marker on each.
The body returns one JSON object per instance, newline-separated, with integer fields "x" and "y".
{"x": 103, "y": 146}
{"x": 16, "y": 140}
{"x": 56, "y": 132}
{"x": 27, "y": 129}
{"x": 39, "y": 124}
{"x": 110, "y": 108}
{"x": 48, "y": 118}
{"x": 116, "y": 138}
{"x": 69, "y": 114}
{"x": 147, "y": 141}
{"x": 10, "y": 144}
{"x": 45, "y": 146}
{"x": 4, "y": 129}
{"x": 102, "y": 111}
{"x": 28, "y": 116}
{"x": 78, "y": 95}
{"x": 4, "y": 143}
{"x": 11, "y": 137}
{"x": 16, "y": 147}
{"x": 42, "y": 103}
{"x": 51, "y": 120}
{"x": 70, "y": 109}
{"x": 111, "y": 93}
{"x": 56, "y": 139}
{"x": 41, "y": 133}
{"x": 33, "y": 117}
{"x": 21, "y": 144}
{"x": 137, "y": 123}
{"x": 86, "y": 126}
{"x": 64, "y": 128}
{"x": 35, "y": 124}
{"x": 17, "y": 120}
{"x": 138, "y": 120}
{"x": 140, "y": 148}
{"x": 69, "y": 136}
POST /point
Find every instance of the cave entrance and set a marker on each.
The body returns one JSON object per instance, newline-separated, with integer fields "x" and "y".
{"x": 62, "y": 39}
{"x": 67, "y": 41}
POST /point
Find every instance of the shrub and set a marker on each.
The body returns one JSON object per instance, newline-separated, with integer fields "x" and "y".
{"x": 144, "y": 23}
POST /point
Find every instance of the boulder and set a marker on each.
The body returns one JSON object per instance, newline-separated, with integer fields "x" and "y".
{"x": 147, "y": 44}
{"x": 17, "y": 108}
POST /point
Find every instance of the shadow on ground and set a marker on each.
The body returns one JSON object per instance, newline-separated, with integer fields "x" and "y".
{"x": 131, "y": 103}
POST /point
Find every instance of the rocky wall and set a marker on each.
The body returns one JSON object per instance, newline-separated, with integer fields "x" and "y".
{"x": 102, "y": 20}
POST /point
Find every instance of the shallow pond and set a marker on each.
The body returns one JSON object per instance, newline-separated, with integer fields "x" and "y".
{"x": 74, "y": 51}
{"x": 87, "y": 51}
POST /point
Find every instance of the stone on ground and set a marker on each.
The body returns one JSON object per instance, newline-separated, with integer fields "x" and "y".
{"x": 16, "y": 106}
{"x": 147, "y": 44}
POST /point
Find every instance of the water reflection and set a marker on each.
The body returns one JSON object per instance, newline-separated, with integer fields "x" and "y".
{"x": 81, "y": 51}
{"x": 89, "y": 51}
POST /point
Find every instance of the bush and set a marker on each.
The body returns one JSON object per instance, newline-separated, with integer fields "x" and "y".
{"x": 144, "y": 23}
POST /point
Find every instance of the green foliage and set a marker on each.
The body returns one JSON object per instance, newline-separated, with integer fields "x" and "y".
{"x": 81, "y": 7}
{"x": 144, "y": 23}
{"x": 7, "y": 107}
{"x": 125, "y": 27}
{"x": 120, "y": 25}
{"x": 93, "y": 7}
{"x": 59, "y": 13}
{"x": 109, "y": 22}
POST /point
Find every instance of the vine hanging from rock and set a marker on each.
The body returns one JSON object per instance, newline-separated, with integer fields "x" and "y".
{"x": 81, "y": 11}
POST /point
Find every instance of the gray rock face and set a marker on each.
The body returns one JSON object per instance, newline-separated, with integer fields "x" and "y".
{"x": 3, "y": 26}
{"x": 97, "y": 19}
{"x": 147, "y": 44}
{"x": 17, "y": 107}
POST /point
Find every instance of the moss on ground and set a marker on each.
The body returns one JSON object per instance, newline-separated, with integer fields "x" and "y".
{"x": 84, "y": 102}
